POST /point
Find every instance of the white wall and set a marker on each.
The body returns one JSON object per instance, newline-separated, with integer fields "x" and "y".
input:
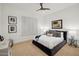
{"x": 0, "y": 17}
{"x": 70, "y": 17}
{"x": 11, "y": 10}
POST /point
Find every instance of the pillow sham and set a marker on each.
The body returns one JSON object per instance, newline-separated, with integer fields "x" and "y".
{"x": 48, "y": 34}
{"x": 56, "y": 34}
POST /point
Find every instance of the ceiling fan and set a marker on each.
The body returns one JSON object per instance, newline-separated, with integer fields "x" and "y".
{"x": 42, "y": 8}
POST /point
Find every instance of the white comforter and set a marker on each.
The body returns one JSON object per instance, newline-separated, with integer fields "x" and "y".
{"x": 49, "y": 42}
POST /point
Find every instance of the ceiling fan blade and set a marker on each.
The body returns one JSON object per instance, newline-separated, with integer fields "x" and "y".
{"x": 46, "y": 8}
{"x": 42, "y": 8}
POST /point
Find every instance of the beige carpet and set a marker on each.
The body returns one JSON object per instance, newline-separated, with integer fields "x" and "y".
{"x": 28, "y": 49}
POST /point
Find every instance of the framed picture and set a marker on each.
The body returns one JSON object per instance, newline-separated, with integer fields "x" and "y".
{"x": 12, "y": 19}
{"x": 57, "y": 24}
{"x": 12, "y": 28}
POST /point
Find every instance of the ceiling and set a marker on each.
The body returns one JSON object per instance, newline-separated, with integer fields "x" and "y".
{"x": 32, "y": 7}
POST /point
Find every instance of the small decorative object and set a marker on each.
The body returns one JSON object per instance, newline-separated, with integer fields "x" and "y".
{"x": 57, "y": 24}
{"x": 1, "y": 38}
{"x": 12, "y": 19}
{"x": 12, "y": 28}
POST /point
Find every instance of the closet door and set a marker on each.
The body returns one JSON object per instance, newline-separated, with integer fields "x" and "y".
{"x": 29, "y": 26}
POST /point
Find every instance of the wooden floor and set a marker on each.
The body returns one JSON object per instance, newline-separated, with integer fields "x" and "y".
{"x": 28, "y": 49}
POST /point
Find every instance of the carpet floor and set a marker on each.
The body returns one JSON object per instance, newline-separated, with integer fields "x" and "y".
{"x": 28, "y": 49}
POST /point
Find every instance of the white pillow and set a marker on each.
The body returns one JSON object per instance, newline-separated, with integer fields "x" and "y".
{"x": 62, "y": 35}
{"x": 49, "y": 34}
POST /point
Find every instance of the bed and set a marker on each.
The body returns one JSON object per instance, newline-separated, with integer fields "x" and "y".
{"x": 50, "y": 44}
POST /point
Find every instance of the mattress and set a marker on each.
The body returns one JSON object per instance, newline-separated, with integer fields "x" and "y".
{"x": 49, "y": 42}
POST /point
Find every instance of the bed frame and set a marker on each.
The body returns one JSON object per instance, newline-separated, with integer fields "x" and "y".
{"x": 52, "y": 52}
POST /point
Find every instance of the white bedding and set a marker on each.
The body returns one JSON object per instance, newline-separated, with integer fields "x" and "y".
{"x": 50, "y": 42}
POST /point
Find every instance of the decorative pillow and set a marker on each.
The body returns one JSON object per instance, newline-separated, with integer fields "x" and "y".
{"x": 56, "y": 34}
{"x": 53, "y": 33}
{"x": 37, "y": 36}
{"x": 48, "y": 34}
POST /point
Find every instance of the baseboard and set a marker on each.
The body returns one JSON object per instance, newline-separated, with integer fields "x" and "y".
{"x": 24, "y": 38}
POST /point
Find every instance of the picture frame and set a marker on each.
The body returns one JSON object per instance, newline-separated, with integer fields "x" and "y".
{"x": 12, "y": 28}
{"x": 57, "y": 24}
{"x": 12, "y": 19}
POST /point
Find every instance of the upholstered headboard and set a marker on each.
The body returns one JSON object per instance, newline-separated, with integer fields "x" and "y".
{"x": 64, "y": 33}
